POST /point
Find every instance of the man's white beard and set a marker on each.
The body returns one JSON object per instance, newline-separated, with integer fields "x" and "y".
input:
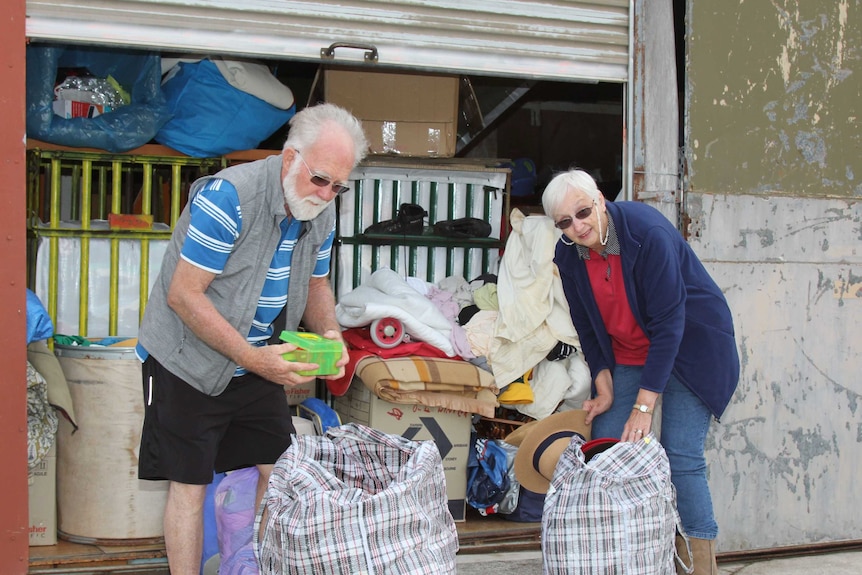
{"x": 302, "y": 209}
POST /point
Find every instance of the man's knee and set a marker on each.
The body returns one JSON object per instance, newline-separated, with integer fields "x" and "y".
{"x": 186, "y": 496}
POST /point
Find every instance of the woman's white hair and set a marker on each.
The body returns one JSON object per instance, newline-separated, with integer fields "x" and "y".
{"x": 307, "y": 125}
{"x": 555, "y": 191}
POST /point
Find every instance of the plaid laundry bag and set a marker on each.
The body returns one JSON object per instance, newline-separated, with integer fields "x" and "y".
{"x": 356, "y": 501}
{"x": 615, "y": 514}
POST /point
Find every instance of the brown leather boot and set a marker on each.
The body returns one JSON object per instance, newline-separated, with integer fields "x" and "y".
{"x": 702, "y": 558}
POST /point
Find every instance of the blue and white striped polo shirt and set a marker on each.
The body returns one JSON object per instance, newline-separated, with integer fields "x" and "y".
{"x": 214, "y": 226}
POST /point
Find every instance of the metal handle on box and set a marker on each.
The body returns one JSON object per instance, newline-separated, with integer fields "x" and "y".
{"x": 370, "y": 50}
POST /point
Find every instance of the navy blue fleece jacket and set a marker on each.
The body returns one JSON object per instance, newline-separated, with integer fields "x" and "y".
{"x": 674, "y": 300}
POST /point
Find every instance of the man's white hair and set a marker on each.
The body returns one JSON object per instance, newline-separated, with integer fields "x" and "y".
{"x": 307, "y": 125}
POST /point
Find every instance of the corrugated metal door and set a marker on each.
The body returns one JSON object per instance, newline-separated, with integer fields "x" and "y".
{"x": 553, "y": 39}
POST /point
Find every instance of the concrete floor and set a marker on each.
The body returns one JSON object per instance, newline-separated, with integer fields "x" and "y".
{"x": 530, "y": 563}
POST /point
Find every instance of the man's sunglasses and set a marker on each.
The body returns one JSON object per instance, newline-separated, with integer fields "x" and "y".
{"x": 581, "y": 214}
{"x": 322, "y": 181}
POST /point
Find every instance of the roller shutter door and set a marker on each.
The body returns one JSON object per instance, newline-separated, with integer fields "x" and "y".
{"x": 528, "y": 39}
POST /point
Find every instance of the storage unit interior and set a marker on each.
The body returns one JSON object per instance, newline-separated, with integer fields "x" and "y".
{"x": 556, "y": 125}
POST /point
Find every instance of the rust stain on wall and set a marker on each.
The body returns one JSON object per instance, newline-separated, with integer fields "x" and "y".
{"x": 848, "y": 288}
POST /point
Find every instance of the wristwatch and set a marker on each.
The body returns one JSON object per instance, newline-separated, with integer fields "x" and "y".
{"x": 642, "y": 408}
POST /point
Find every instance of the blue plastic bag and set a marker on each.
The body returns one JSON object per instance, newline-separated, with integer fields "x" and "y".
{"x": 319, "y": 413}
{"x": 488, "y": 478}
{"x": 212, "y": 118}
{"x": 39, "y": 325}
{"x": 530, "y": 507}
{"x": 120, "y": 130}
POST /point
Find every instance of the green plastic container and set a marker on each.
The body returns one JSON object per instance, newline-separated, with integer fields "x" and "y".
{"x": 313, "y": 348}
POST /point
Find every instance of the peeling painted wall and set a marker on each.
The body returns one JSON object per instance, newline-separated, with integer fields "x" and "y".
{"x": 774, "y": 197}
{"x": 774, "y": 94}
{"x": 785, "y": 458}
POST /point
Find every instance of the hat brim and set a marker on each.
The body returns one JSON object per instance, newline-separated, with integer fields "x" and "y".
{"x": 516, "y": 437}
{"x": 562, "y": 424}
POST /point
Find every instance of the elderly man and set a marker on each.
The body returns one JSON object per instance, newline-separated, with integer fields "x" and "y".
{"x": 253, "y": 242}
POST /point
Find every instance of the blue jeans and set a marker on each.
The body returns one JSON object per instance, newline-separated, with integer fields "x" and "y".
{"x": 684, "y": 423}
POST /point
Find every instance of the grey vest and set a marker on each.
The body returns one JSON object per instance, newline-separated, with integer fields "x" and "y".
{"x": 234, "y": 292}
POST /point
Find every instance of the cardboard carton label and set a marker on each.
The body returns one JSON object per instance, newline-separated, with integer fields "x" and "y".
{"x": 43, "y": 501}
{"x": 296, "y": 394}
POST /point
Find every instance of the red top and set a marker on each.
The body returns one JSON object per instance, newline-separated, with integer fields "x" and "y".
{"x": 630, "y": 344}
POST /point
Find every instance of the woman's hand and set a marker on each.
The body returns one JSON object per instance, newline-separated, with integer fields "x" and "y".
{"x": 604, "y": 396}
{"x": 640, "y": 422}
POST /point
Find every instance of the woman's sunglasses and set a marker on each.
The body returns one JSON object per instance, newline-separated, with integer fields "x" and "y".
{"x": 581, "y": 214}
{"x": 322, "y": 181}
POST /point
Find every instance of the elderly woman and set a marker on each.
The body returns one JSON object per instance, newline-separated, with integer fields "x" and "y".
{"x": 653, "y": 324}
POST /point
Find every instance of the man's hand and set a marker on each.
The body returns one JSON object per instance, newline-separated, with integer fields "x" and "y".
{"x": 267, "y": 362}
{"x": 345, "y": 356}
{"x": 319, "y": 317}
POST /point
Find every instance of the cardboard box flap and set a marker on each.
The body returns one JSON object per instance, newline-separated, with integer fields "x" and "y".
{"x": 385, "y": 96}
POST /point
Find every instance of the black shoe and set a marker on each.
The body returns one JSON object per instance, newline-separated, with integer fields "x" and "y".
{"x": 463, "y": 228}
{"x": 409, "y": 221}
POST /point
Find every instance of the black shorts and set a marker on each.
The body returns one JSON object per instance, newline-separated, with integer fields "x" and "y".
{"x": 188, "y": 435}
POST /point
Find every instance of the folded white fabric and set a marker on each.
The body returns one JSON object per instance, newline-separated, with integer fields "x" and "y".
{"x": 524, "y": 334}
{"x": 387, "y": 294}
{"x": 246, "y": 75}
{"x": 255, "y": 79}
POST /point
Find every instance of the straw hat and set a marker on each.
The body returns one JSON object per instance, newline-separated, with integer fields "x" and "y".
{"x": 543, "y": 444}
{"x": 516, "y": 437}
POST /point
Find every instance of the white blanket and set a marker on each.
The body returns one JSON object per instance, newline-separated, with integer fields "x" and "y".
{"x": 387, "y": 294}
{"x": 534, "y": 314}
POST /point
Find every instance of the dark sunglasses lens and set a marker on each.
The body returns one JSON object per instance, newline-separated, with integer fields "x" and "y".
{"x": 564, "y": 223}
{"x": 584, "y": 213}
{"x": 322, "y": 182}
{"x": 319, "y": 181}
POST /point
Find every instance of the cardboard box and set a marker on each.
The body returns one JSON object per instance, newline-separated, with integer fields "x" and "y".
{"x": 43, "y": 501}
{"x": 403, "y": 114}
{"x": 69, "y": 109}
{"x": 295, "y": 395}
{"x": 449, "y": 429}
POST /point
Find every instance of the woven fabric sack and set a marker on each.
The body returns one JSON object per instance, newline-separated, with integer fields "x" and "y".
{"x": 356, "y": 501}
{"x": 615, "y": 514}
